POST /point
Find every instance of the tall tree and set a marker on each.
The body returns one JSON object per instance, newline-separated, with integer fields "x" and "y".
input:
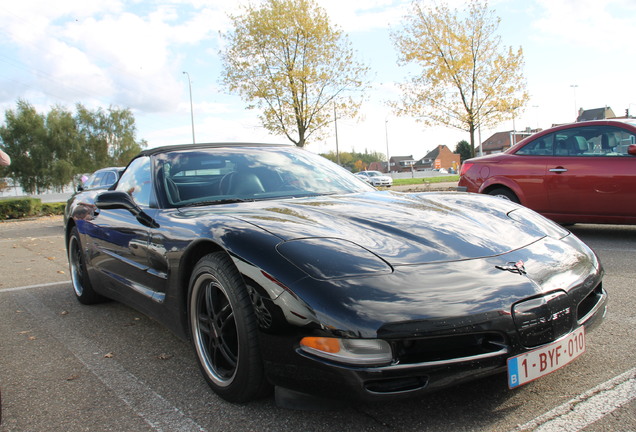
{"x": 107, "y": 136}
{"x": 286, "y": 59}
{"x": 468, "y": 79}
{"x": 63, "y": 146}
{"x": 24, "y": 139}
{"x": 463, "y": 149}
{"x": 48, "y": 150}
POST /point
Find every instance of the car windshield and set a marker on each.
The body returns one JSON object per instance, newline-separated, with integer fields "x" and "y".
{"x": 374, "y": 173}
{"x": 227, "y": 174}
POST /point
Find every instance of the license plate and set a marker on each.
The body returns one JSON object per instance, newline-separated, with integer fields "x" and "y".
{"x": 534, "y": 364}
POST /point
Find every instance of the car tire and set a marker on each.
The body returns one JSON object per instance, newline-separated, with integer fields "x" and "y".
{"x": 504, "y": 193}
{"x": 82, "y": 286}
{"x": 223, "y": 328}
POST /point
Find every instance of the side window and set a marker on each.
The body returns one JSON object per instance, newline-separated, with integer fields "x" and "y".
{"x": 108, "y": 179}
{"x": 95, "y": 180}
{"x": 596, "y": 141}
{"x": 539, "y": 147}
{"x": 137, "y": 181}
{"x": 620, "y": 140}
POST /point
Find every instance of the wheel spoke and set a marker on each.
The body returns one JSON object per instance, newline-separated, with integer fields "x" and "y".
{"x": 204, "y": 324}
{"x": 225, "y": 317}
{"x": 228, "y": 354}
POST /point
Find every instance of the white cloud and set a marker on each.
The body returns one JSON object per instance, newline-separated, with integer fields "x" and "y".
{"x": 132, "y": 54}
{"x": 592, "y": 23}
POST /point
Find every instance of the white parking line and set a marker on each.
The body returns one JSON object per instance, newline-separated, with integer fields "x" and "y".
{"x": 28, "y": 287}
{"x": 587, "y": 408}
{"x": 154, "y": 409}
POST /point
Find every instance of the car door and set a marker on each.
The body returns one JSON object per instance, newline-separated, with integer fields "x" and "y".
{"x": 591, "y": 173}
{"x": 120, "y": 240}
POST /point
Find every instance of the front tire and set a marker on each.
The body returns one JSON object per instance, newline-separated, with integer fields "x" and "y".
{"x": 82, "y": 286}
{"x": 224, "y": 330}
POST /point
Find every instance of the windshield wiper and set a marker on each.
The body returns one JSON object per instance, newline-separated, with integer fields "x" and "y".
{"x": 220, "y": 201}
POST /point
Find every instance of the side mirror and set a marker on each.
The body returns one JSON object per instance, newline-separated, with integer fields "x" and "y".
{"x": 631, "y": 150}
{"x": 113, "y": 200}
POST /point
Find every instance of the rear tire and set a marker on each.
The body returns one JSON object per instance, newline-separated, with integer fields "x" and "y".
{"x": 82, "y": 286}
{"x": 224, "y": 329}
{"x": 504, "y": 193}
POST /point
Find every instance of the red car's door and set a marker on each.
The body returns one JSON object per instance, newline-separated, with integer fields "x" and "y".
{"x": 592, "y": 174}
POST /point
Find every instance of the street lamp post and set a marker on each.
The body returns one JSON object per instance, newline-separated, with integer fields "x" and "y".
{"x": 191, "y": 110}
{"x": 576, "y": 112}
{"x": 386, "y": 137}
{"x": 335, "y": 123}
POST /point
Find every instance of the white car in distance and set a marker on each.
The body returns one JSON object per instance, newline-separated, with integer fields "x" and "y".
{"x": 375, "y": 178}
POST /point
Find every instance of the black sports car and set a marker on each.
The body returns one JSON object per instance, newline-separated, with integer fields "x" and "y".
{"x": 285, "y": 270}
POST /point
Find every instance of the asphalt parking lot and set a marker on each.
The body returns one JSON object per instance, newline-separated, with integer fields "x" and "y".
{"x": 68, "y": 367}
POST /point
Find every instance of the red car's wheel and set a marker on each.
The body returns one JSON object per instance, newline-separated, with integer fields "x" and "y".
{"x": 504, "y": 193}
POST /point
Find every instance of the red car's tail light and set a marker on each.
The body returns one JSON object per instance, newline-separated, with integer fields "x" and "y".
{"x": 465, "y": 167}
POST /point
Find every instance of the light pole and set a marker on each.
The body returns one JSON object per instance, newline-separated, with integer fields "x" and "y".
{"x": 576, "y": 112}
{"x": 335, "y": 123}
{"x": 386, "y": 137}
{"x": 191, "y": 110}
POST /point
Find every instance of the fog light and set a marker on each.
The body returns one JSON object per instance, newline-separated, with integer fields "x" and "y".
{"x": 351, "y": 351}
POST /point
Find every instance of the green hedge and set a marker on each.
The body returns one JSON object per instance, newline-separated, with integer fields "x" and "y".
{"x": 17, "y": 208}
{"x": 424, "y": 180}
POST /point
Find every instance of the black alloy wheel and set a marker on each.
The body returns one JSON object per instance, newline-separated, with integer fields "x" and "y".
{"x": 224, "y": 330}
{"x": 82, "y": 287}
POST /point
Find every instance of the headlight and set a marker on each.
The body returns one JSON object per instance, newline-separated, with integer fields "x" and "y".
{"x": 332, "y": 258}
{"x": 350, "y": 351}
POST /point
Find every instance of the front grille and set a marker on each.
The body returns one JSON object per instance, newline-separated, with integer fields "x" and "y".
{"x": 543, "y": 319}
{"x": 448, "y": 348}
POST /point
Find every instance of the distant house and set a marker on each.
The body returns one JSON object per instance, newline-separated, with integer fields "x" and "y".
{"x": 378, "y": 166}
{"x": 441, "y": 157}
{"x": 595, "y": 114}
{"x": 502, "y": 141}
{"x": 401, "y": 163}
{"x": 424, "y": 164}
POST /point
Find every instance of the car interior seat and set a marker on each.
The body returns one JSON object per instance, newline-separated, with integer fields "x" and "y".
{"x": 244, "y": 183}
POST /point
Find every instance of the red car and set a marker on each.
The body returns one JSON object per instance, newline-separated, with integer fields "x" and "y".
{"x": 579, "y": 172}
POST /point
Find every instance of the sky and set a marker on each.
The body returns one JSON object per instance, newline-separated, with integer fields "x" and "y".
{"x": 133, "y": 54}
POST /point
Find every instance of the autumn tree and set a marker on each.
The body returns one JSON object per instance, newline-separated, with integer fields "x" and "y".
{"x": 355, "y": 161}
{"x": 468, "y": 79}
{"x": 286, "y": 59}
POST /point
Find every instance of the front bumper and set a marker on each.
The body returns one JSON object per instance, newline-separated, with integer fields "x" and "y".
{"x": 421, "y": 364}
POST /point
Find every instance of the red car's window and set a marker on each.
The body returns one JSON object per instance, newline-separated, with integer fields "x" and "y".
{"x": 581, "y": 141}
{"x": 539, "y": 147}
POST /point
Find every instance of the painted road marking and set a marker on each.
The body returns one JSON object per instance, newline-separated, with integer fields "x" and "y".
{"x": 28, "y": 287}
{"x": 587, "y": 408}
{"x": 155, "y": 410}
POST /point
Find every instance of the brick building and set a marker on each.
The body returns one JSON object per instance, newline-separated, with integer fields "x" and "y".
{"x": 442, "y": 157}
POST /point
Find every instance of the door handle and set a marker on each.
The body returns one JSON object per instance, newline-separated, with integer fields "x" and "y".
{"x": 558, "y": 170}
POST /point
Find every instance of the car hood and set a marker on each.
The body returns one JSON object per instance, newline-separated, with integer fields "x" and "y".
{"x": 404, "y": 229}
